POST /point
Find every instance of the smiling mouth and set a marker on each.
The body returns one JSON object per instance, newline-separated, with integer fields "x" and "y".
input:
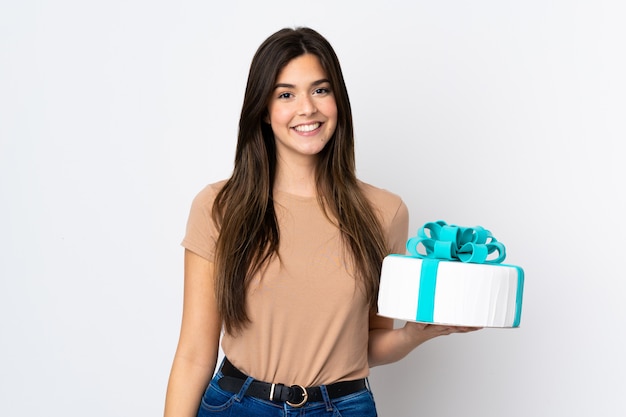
{"x": 307, "y": 128}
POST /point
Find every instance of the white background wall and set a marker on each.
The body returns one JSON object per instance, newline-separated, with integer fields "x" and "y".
{"x": 507, "y": 114}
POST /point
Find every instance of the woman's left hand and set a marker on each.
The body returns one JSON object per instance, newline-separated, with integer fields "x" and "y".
{"x": 421, "y": 332}
{"x": 387, "y": 345}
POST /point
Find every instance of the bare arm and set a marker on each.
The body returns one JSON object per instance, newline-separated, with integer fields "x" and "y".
{"x": 196, "y": 354}
{"x": 387, "y": 345}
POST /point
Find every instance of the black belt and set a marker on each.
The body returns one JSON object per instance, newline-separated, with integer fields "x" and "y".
{"x": 295, "y": 395}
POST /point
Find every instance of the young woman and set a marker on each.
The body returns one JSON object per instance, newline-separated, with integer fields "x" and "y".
{"x": 285, "y": 255}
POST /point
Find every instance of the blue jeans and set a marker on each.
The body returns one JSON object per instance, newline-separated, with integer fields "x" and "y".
{"x": 217, "y": 402}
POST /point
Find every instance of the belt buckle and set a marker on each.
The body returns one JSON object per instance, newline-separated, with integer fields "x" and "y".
{"x": 305, "y": 397}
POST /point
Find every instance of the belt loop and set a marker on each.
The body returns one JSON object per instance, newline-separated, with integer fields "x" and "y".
{"x": 244, "y": 388}
{"x": 272, "y": 391}
{"x": 367, "y": 384}
{"x": 326, "y": 397}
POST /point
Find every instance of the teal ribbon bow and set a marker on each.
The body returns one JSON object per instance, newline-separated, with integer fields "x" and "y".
{"x": 454, "y": 243}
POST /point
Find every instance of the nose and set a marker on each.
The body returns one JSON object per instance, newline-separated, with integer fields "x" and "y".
{"x": 307, "y": 106}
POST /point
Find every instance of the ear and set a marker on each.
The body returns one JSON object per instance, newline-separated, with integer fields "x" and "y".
{"x": 266, "y": 118}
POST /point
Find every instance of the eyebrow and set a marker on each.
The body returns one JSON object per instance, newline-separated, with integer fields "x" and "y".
{"x": 313, "y": 84}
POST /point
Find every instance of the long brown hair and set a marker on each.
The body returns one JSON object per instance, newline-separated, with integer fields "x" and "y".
{"x": 244, "y": 208}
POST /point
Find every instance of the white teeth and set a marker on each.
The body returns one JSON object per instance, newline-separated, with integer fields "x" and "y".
{"x": 307, "y": 128}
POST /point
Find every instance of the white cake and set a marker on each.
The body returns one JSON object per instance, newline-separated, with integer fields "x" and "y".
{"x": 422, "y": 288}
{"x": 462, "y": 294}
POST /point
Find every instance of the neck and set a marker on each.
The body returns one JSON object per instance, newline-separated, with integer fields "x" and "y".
{"x": 296, "y": 178}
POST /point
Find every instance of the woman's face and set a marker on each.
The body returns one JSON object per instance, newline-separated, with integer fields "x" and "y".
{"x": 302, "y": 109}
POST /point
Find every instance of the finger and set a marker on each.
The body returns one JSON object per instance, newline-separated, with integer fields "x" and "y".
{"x": 467, "y": 329}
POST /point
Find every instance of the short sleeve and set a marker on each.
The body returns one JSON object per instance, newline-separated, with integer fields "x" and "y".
{"x": 398, "y": 231}
{"x": 201, "y": 233}
{"x": 394, "y": 216}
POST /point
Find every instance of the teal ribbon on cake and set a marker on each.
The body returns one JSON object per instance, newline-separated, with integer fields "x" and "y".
{"x": 453, "y": 243}
{"x": 441, "y": 241}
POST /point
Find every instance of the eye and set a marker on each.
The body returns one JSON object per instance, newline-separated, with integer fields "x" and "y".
{"x": 285, "y": 95}
{"x": 322, "y": 91}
